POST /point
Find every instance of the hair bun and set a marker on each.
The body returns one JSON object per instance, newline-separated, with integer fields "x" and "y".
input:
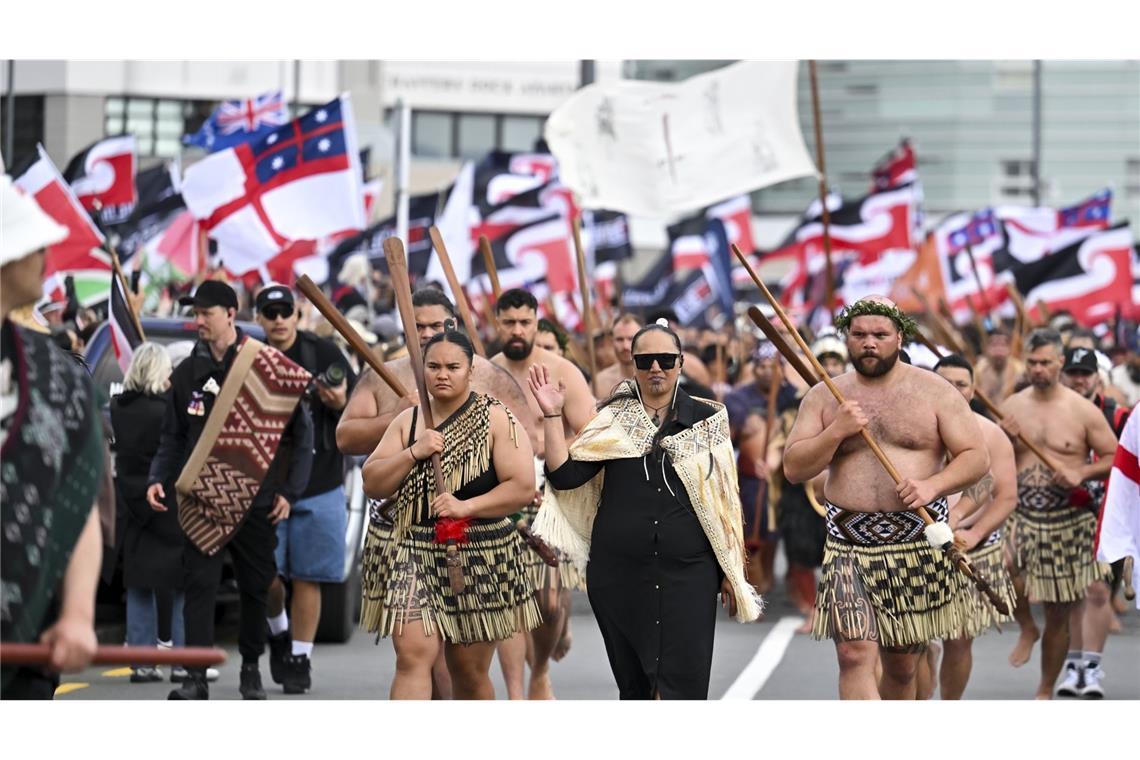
{"x": 662, "y": 322}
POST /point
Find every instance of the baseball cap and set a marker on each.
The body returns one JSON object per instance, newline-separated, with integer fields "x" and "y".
{"x": 24, "y": 227}
{"x": 1080, "y": 360}
{"x": 211, "y": 293}
{"x": 272, "y": 294}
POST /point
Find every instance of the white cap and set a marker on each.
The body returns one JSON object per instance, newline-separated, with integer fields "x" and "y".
{"x": 24, "y": 227}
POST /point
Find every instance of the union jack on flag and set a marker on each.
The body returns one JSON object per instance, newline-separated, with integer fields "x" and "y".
{"x": 239, "y": 121}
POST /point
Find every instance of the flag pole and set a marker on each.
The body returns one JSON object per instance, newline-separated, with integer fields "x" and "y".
{"x": 457, "y": 290}
{"x": 117, "y": 271}
{"x": 489, "y": 265}
{"x": 826, "y": 214}
{"x": 584, "y": 287}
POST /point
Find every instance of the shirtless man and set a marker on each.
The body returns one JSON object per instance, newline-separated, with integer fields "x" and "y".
{"x": 997, "y": 372}
{"x": 517, "y": 314}
{"x": 885, "y": 590}
{"x": 982, "y": 508}
{"x": 420, "y": 668}
{"x": 1051, "y": 535}
{"x": 625, "y": 328}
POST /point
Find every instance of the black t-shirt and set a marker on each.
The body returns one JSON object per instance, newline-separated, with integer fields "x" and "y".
{"x": 317, "y": 355}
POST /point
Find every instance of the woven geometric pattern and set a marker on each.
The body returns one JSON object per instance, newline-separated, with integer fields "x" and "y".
{"x": 243, "y": 450}
{"x": 1054, "y": 550}
{"x": 878, "y": 528}
{"x": 498, "y": 600}
{"x": 912, "y": 591}
{"x": 988, "y": 562}
{"x": 1036, "y": 491}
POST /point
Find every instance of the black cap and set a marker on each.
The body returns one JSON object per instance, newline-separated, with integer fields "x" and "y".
{"x": 274, "y": 294}
{"x": 1080, "y": 360}
{"x": 212, "y": 293}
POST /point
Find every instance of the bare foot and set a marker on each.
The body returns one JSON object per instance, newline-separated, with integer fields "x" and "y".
{"x": 1024, "y": 648}
{"x": 563, "y": 645}
{"x": 540, "y": 686}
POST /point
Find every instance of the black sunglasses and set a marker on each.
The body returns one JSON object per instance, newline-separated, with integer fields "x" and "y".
{"x": 273, "y": 312}
{"x": 665, "y": 361}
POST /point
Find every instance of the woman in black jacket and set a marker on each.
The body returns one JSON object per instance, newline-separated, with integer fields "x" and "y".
{"x": 151, "y": 541}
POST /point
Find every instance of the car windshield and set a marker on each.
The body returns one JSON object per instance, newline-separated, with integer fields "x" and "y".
{"x": 176, "y": 335}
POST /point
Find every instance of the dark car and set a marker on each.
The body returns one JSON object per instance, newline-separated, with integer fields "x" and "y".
{"x": 340, "y": 602}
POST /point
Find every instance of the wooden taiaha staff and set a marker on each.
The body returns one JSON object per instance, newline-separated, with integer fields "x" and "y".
{"x": 993, "y": 409}
{"x": 1018, "y": 342}
{"x": 772, "y": 334}
{"x": 14, "y": 655}
{"x": 401, "y": 283}
{"x": 584, "y": 287}
{"x": 953, "y": 553}
{"x": 489, "y": 265}
{"x": 824, "y": 212}
{"x": 1129, "y": 592}
{"x": 341, "y": 325}
{"x": 456, "y": 290}
{"x": 987, "y": 308}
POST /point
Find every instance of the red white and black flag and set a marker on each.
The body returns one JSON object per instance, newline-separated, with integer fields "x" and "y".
{"x": 125, "y": 337}
{"x": 897, "y": 168}
{"x": 1088, "y": 278}
{"x": 102, "y": 176}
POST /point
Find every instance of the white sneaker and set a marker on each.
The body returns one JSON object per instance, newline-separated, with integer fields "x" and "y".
{"x": 179, "y": 674}
{"x": 1071, "y": 681}
{"x": 1092, "y": 688}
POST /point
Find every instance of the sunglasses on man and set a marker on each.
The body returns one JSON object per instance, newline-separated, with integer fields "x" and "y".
{"x": 277, "y": 310}
{"x": 665, "y": 361}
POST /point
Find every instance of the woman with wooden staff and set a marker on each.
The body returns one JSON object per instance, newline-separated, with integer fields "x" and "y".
{"x": 647, "y": 495}
{"x": 451, "y": 507}
{"x": 886, "y": 587}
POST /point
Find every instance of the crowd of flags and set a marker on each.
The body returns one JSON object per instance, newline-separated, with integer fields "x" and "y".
{"x": 276, "y": 197}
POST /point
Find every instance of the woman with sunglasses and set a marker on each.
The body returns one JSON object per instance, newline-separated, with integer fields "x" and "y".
{"x": 647, "y": 495}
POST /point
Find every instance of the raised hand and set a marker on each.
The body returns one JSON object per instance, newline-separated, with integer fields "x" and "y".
{"x": 550, "y": 397}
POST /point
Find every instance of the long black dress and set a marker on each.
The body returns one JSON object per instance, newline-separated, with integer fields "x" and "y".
{"x": 652, "y": 577}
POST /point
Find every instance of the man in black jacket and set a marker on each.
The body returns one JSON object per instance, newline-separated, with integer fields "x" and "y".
{"x": 311, "y": 545}
{"x": 195, "y": 386}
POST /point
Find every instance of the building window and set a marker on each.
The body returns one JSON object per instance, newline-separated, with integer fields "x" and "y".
{"x": 520, "y": 133}
{"x": 432, "y": 135}
{"x": 1132, "y": 177}
{"x": 1016, "y": 180}
{"x": 157, "y": 124}
{"x": 476, "y": 134}
{"x": 28, "y": 128}
{"x": 442, "y": 134}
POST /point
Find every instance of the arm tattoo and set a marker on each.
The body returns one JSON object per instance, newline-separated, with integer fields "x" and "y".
{"x": 980, "y": 491}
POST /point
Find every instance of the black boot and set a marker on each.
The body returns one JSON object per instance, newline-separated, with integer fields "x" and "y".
{"x": 251, "y": 682}
{"x": 194, "y": 687}
{"x": 298, "y": 674}
{"x": 280, "y": 647}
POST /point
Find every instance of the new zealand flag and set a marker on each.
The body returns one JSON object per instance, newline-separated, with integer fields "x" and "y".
{"x": 238, "y": 121}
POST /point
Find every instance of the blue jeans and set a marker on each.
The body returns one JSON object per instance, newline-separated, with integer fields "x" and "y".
{"x": 142, "y": 618}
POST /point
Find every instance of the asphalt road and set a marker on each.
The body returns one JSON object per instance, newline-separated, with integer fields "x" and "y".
{"x": 764, "y": 660}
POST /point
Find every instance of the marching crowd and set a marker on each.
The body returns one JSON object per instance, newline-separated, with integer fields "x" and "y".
{"x": 659, "y": 470}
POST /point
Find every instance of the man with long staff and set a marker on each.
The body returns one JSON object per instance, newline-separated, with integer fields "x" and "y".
{"x": 885, "y": 590}
{"x": 1053, "y": 528}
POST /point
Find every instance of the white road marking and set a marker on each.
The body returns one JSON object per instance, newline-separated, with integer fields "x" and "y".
{"x": 752, "y": 679}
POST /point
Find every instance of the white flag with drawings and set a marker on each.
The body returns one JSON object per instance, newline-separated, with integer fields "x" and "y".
{"x": 664, "y": 149}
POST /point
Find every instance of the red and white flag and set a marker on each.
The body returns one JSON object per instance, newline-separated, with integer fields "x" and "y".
{"x": 299, "y": 182}
{"x": 1119, "y": 529}
{"x": 102, "y": 175}
{"x": 80, "y": 253}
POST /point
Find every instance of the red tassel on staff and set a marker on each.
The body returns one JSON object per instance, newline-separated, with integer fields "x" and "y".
{"x": 447, "y": 529}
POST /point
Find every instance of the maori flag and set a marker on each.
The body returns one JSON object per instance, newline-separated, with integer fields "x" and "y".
{"x": 102, "y": 176}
